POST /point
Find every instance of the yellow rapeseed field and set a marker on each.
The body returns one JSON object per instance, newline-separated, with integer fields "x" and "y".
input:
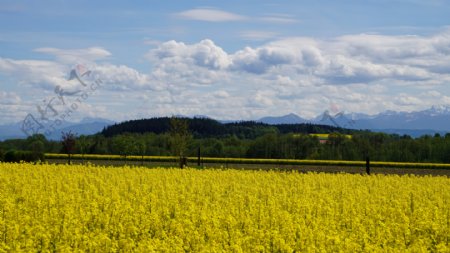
{"x": 103, "y": 209}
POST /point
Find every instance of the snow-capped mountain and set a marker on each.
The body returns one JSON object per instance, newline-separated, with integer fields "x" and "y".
{"x": 430, "y": 121}
{"x": 436, "y": 118}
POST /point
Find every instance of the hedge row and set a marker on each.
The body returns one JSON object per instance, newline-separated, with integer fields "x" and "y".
{"x": 113, "y": 157}
{"x": 193, "y": 160}
{"x": 25, "y": 156}
{"x": 327, "y": 163}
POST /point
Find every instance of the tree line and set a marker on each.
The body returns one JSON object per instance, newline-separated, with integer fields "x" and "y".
{"x": 244, "y": 140}
{"x": 209, "y": 128}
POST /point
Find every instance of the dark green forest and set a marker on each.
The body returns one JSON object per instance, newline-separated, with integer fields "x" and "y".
{"x": 246, "y": 140}
{"x": 209, "y": 128}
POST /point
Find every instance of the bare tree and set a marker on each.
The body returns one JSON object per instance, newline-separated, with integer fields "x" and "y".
{"x": 68, "y": 143}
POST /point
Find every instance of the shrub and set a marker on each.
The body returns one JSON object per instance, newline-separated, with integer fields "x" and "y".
{"x": 26, "y": 156}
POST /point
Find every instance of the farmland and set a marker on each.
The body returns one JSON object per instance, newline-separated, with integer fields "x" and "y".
{"x": 96, "y": 208}
{"x": 265, "y": 164}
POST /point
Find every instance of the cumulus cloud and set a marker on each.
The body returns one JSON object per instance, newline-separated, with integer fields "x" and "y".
{"x": 51, "y": 74}
{"x": 304, "y": 75}
{"x": 177, "y": 64}
{"x": 121, "y": 77}
{"x": 204, "y": 54}
{"x": 261, "y": 59}
{"x": 210, "y": 15}
{"x": 361, "y": 73}
{"x": 428, "y": 53}
{"x": 46, "y": 74}
{"x": 367, "y": 58}
{"x": 344, "y": 60}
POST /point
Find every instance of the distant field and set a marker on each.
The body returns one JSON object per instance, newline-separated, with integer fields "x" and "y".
{"x": 325, "y": 136}
{"x": 281, "y": 168}
{"x": 64, "y": 208}
{"x": 381, "y": 167}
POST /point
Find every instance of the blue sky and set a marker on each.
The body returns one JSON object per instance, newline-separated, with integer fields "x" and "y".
{"x": 225, "y": 59}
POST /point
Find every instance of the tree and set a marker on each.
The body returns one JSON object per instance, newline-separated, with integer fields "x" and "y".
{"x": 179, "y": 138}
{"x": 37, "y": 146}
{"x": 68, "y": 143}
{"x": 37, "y": 143}
{"x": 141, "y": 147}
{"x": 124, "y": 145}
{"x": 83, "y": 145}
{"x": 100, "y": 145}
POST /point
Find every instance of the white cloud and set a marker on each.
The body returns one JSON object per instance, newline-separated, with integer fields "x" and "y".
{"x": 32, "y": 73}
{"x": 221, "y": 94}
{"x": 279, "y": 19}
{"x": 204, "y": 54}
{"x": 429, "y": 53}
{"x": 9, "y": 98}
{"x": 345, "y": 60}
{"x": 404, "y": 99}
{"x": 210, "y": 15}
{"x": 261, "y": 59}
{"x": 76, "y": 56}
{"x": 50, "y": 74}
{"x": 121, "y": 77}
{"x": 445, "y": 100}
{"x": 360, "y": 73}
{"x": 177, "y": 65}
{"x": 433, "y": 94}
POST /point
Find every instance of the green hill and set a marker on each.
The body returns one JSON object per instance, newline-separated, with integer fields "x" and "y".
{"x": 207, "y": 128}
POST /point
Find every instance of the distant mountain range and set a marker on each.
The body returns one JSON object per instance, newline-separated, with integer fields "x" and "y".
{"x": 430, "y": 121}
{"x": 286, "y": 119}
{"x": 87, "y": 126}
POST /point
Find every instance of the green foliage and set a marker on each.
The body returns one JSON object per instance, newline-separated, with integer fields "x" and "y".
{"x": 249, "y": 140}
{"x": 287, "y": 146}
{"x": 209, "y": 128}
{"x": 36, "y": 142}
{"x": 180, "y": 137}
{"x": 100, "y": 145}
{"x": 37, "y": 146}
{"x": 83, "y": 144}
{"x": 26, "y": 156}
{"x": 124, "y": 145}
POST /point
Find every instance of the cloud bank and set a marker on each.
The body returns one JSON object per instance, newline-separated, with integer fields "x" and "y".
{"x": 366, "y": 73}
